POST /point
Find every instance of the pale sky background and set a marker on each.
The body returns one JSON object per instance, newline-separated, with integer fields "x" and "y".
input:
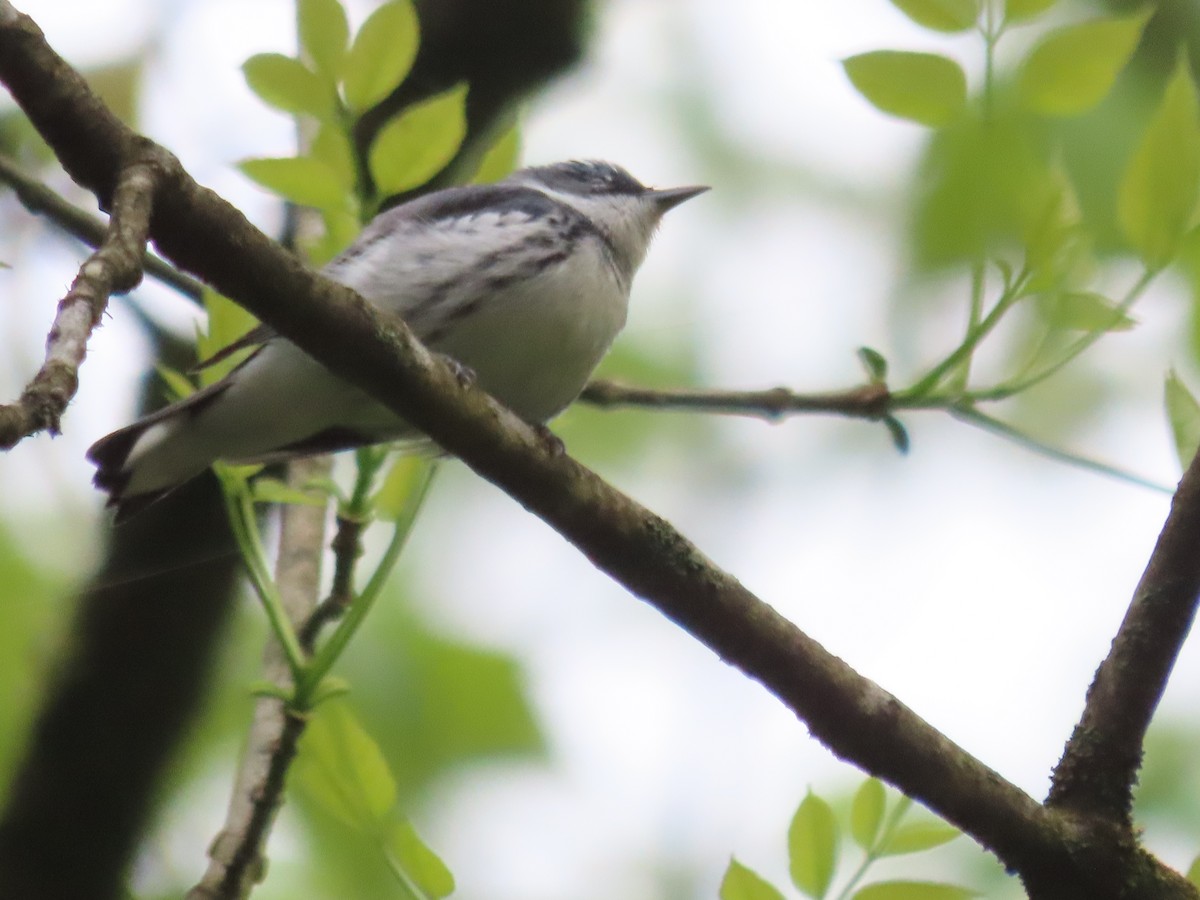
{"x": 978, "y": 583}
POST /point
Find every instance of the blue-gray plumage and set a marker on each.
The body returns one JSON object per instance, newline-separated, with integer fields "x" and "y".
{"x": 524, "y": 282}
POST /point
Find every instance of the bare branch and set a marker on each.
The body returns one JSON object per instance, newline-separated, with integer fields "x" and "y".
{"x": 41, "y": 200}
{"x": 1099, "y": 768}
{"x": 871, "y": 401}
{"x": 115, "y": 267}
{"x": 237, "y": 858}
{"x": 347, "y": 548}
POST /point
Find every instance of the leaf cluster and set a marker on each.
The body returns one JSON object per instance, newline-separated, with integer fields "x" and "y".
{"x": 997, "y": 195}
{"x": 878, "y": 827}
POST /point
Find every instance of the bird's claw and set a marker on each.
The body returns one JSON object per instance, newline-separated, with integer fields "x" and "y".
{"x": 551, "y": 443}
{"x": 464, "y": 375}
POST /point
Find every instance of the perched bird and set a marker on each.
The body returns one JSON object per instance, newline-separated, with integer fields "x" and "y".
{"x": 525, "y": 283}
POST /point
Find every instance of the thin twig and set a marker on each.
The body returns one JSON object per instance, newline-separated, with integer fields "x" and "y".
{"x": 114, "y": 268}
{"x": 357, "y": 612}
{"x": 347, "y": 548}
{"x": 236, "y": 857}
{"x": 41, "y": 200}
{"x": 870, "y": 401}
{"x": 353, "y": 516}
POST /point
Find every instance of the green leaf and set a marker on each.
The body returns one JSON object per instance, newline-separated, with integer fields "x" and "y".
{"x": 1157, "y": 197}
{"x": 226, "y": 323}
{"x": 898, "y": 434}
{"x": 1020, "y": 10}
{"x": 381, "y": 55}
{"x": 1073, "y": 68}
{"x": 330, "y": 687}
{"x": 272, "y": 490}
{"x": 262, "y": 688}
{"x": 917, "y": 836}
{"x": 342, "y": 769}
{"x": 287, "y": 84}
{"x": 1184, "y": 414}
{"x": 501, "y": 158}
{"x": 866, "y": 812}
{"x": 1053, "y": 235}
{"x": 875, "y": 364}
{"x": 813, "y": 846}
{"x": 300, "y": 179}
{"x": 178, "y": 384}
{"x": 240, "y": 474}
{"x": 741, "y": 883}
{"x": 341, "y": 227}
{"x": 1084, "y": 311}
{"x": 940, "y": 15}
{"x": 404, "y": 481}
{"x": 332, "y": 147}
{"x": 984, "y": 179}
{"x": 921, "y": 87}
{"x": 421, "y": 865}
{"x": 324, "y": 33}
{"x": 417, "y": 144}
{"x": 1193, "y": 872}
{"x": 914, "y": 890}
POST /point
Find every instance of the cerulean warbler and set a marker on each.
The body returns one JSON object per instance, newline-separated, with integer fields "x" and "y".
{"x": 524, "y": 282}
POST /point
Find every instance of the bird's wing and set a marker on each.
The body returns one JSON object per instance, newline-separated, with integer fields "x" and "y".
{"x": 372, "y": 260}
{"x": 427, "y": 258}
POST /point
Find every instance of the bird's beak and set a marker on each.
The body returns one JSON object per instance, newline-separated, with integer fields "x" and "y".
{"x": 672, "y": 197}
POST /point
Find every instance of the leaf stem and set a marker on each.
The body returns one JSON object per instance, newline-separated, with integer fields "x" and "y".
{"x": 972, "y": 416}
{"x": 240, "y": 509}
{"x": 329, "y": 652}
{"x": 1003, "y": 391}
{"x": 873, "y": 854}
{"x": 1013, "y": 291}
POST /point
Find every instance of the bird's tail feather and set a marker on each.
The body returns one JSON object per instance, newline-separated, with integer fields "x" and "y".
{"x": 111, "y": 454}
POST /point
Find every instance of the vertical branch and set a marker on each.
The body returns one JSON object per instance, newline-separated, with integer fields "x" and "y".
{"x": 237, "y": 860}
{"x": 1100, "y": 765}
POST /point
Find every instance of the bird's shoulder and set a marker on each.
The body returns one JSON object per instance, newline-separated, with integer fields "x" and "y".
{"x": 500, "y": 215}
{"x": 472, "y": 201}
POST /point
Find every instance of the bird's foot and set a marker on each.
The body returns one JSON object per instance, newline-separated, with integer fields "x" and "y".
{"x": 551, "y": 443}
{"x": 464, "y": 375}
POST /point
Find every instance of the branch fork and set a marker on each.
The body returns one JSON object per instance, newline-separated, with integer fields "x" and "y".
{"x": 114, "y": 268}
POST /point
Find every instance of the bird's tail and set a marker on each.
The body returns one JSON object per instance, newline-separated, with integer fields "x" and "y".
{"x": 141, "y": 463}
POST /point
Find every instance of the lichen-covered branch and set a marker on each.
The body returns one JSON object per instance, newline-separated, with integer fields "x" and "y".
{"x": 115, "y": 267}
{"x": 41, "y": 200}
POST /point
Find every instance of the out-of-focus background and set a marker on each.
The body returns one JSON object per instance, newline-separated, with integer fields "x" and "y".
{"x": 977, "y": 581}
